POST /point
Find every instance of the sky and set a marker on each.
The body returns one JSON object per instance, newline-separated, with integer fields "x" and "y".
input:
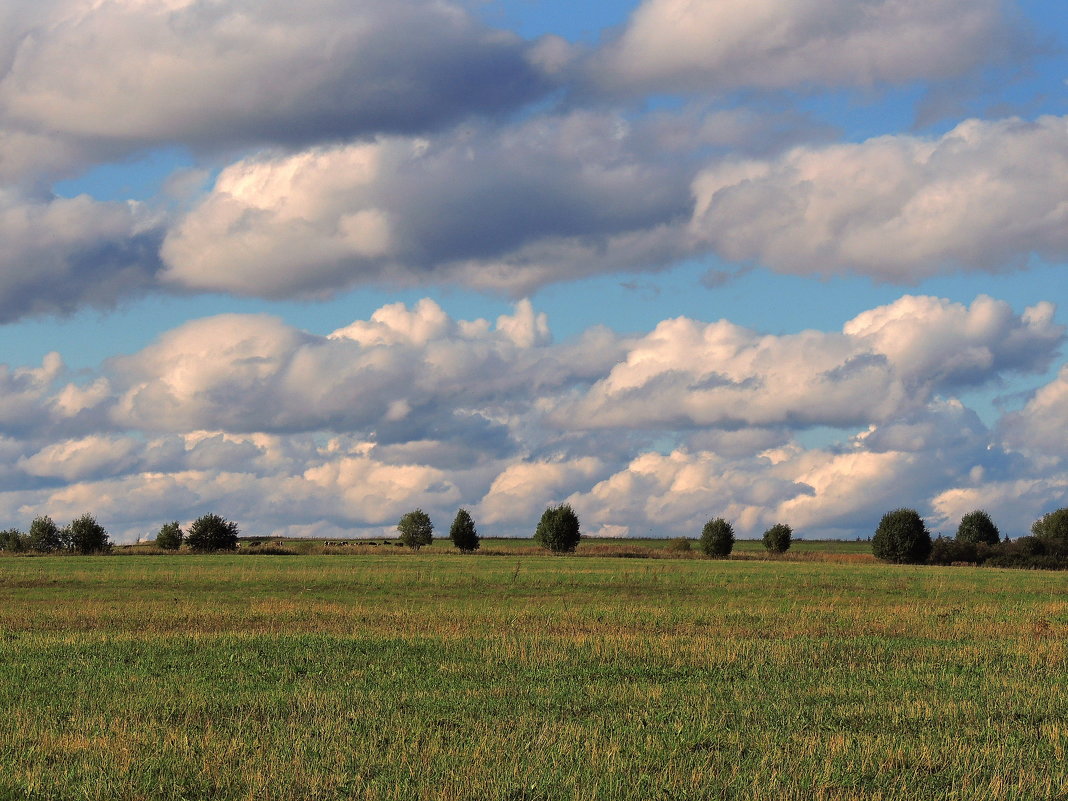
{"x": 313, "y": 265}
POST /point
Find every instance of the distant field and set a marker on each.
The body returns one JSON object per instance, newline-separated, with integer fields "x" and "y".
{"x": 390, "y": 675}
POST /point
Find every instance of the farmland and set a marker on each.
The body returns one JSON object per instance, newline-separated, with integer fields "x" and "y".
{"x": 389, "y": 675}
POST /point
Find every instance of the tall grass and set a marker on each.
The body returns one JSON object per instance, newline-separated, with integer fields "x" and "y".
{"x": 427, "y": 676}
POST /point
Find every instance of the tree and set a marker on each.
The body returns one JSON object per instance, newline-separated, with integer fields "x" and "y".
{"x": 777, "y": 539}
{"x": 45, "y": 536}
{"x": 210, "y": 533}
{"x": 13, "y": 541}
{"x": 717, "y": 538}
{"x": 558, "y": 529}
{"x": 977, "y": 527}
{"x": 1052, "y": 531}
{"x": 415, "y": 529}
{"x": 463, "y": 533}
{"x": 902, "y": 538}
{"x": 170, "y": 536}
{"x": 86, "y": 536}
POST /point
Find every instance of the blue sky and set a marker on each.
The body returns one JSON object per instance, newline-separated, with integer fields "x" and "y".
{"x": 773, "y": 261}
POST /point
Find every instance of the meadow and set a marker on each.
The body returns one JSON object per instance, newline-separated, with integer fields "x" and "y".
{"x": 383, "y": 674}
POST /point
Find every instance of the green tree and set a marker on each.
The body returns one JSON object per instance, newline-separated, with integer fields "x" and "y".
{"x": 1052, "y": 531}
{"x": 717, "y": 538}
{"x": 210, "y": 533}
{"x": 902, "y": 537}
{"x": 558, "y": 529}
{"x": 45, "y": 536}
{"x": 13, "y": 541}
{"x": 977, "y": 527}
{"x": 170, "y": 536}
{"x": 416, "y": 529}
{"x": 778, "y": 538}
{"x": 85, "y": 536}
{"x": 463, "y": 533}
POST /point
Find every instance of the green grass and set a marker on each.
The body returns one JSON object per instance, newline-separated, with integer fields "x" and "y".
{"x": 437, "y": 676}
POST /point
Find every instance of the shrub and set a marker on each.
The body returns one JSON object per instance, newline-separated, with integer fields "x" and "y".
{"x": 170, "y": 536}
{"x": 717, "y": 538}
{"x": 86, "y": 536}
{"x": 777, "y": 539}
{"x": 680, "y": 545}
{"x": 415, "y": 529}
{"x": 558, "y": 529}
{"x": 976, "y": 527}
{"x": 463, "y": 533}
{"x": 13, "y": 541}
{"x": 902, "y": 538}
{"x": 945, "y": 551}
{"x": 210, "y": 533}
{"x": 45, "y": 536}
{"x": 1052, "y": 531}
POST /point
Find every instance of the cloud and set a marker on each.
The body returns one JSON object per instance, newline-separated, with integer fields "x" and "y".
{"x": 884, "y": 363}
{"x": 211, "y": 74}
{"x": 684, "y": 46}
{"x": 985, "y": 196}
{"x": 505, "y": 209}
{"x": 61, "y": 254}
{"x": 1041, "y": 427}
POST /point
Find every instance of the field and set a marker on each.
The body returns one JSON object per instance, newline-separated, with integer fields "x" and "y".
{"x": 388, "y": 675}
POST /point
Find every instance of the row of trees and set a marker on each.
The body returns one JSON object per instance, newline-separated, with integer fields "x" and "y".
{"x": 82, "y": 535}
{"x": 558, "y": 530}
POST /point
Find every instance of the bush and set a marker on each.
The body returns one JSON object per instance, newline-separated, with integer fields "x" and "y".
{"x": 170, "y": 536}
{"x": 463, "y": 533}
{"x": 415, "y": 529}
{"x": 13, "y": 541}
{"x": 902, "y": 538}
{"x": 945, "y": 551}
{"x": 717, "y": 538}
{"x": 777, "y": 539}
{"x": 976, "y": 527}
{"x": 558, "y": 529}
{"x": 680, "y": 545}
{"x": 86, "y": 536}
{"x": 45, "y": 536}
{"x": 1052, "y": 531}
{"x": 210, "y": 533}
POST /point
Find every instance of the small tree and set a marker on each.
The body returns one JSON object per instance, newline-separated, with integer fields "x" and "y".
{"x": 558, "y": 529}
{"x": 45, "y": 535}
{"x": 902, "y": 538}
{"x": 13, "y": 541}
{"x": 210, "y": 533}
{"x": 1052, "y": 531}
{"x": 778, "y": 538}
{"x": 415, "y": 529}
{"x": 463, "y": 533}
{"x": 717, "y": 538}
{"x": 170, "y": 536}
{"x": 977, "y": 527}
{"x": 86, "y": 536}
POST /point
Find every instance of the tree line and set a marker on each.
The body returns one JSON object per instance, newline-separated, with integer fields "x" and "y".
{"x": 901, "y": 537}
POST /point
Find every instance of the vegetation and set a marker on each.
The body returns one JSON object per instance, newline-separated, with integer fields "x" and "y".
{"x": 558, "y": 529}
{"x": 86, "y": 536}
{"x": 717, "y": 538}
{"x": 777, "y": 538}
{"x": 302, "y": 677}
{"x": 977, "y": 527}
{"x": 415, "y": 529}
{"x": 170, "y": 536}
{"x": 1051, "y": 531}
{"x": 13, "y": 541}
{"x": 902, "y": 538}
{"x": 463, "y": 533}
{"x": 45, "y": 536}
{"x": 680, "y": 545}
{"x": 210, "y": 533}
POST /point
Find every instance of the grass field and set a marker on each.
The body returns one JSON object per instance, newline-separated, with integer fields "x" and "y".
{"x": 384, "y": 675}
